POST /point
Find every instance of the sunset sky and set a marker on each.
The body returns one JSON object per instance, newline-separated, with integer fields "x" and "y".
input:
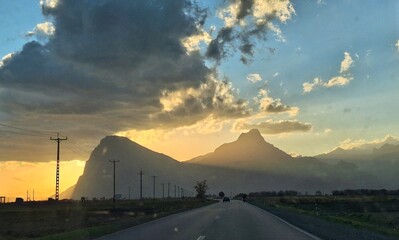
{"x": 183, "y": 78}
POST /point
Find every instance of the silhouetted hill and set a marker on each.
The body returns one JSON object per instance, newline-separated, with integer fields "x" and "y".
{"x": 247, "y": 164}
{"x": 249, "y": 152}
{"x": 97, "y": 178}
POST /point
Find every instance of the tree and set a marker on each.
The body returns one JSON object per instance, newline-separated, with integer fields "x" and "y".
{"x": 201, "y": 188}
{"x": 221, "y": 194}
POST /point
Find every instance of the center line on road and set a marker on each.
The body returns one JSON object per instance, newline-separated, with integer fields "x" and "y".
{"x": 201, "y": 238}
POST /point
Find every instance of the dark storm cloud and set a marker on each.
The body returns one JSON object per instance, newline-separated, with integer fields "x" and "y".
{"x": 105, "y": 68}
{"x": 105, "y": 54}
{"x": 243, "y": 36}
{"x": 216, "y": 48}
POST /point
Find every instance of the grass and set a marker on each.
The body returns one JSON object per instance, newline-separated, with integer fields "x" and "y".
{"x": 88, "y": 220}
{"x": 374, "y": 213}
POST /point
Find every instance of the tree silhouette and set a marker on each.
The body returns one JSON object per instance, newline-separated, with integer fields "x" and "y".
{"x": 221, "y": 194}
{"x": 201, "y": 188}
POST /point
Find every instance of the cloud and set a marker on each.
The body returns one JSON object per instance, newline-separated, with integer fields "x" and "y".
{"x": 346, "y": 64}
{"x": 48, "y": 4}
{"x": 338, "y": 81}
{"x": 109, "y": 66}
{"x": 244, "y": 22}
{"x": 188, "y": 106}
{"x": 6, "y": 58}
{"x": 309, "y": 86}
{"x": 344, "y": 79}
{"x": 327, "y": 130}
{"x": 105, "y": 56}
{"x": 270, "y": 105}
{"x": 368, "y": 144}
{"x": 271, "y": 127}
{"x": 192, "y": 43}
{"x": 42, "y": 31}
{"x": 397, "y": 45}
{"x": 254, "y": 77}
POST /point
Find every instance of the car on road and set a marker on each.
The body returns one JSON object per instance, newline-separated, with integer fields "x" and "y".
{"x": 226, "y": 199}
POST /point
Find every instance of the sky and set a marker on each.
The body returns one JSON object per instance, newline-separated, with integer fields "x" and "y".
{"x": 183, "y": 77}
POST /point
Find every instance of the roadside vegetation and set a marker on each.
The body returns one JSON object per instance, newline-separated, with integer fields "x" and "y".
{"x": 376, "y": 213}
{"x": 84, "y": 220}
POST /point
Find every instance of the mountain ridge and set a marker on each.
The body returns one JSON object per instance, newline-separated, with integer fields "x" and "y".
{"x": 247, "y": 164}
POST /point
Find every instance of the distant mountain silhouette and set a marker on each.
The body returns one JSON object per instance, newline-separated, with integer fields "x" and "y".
{"x": 247, "y": 164}
{"x": 249, "y": 152}
{"x": 378, "y": 160}
{"x": 362, "y": 152}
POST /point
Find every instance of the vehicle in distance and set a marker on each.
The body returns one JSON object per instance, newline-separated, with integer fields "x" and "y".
{"x": 226, "y": 199}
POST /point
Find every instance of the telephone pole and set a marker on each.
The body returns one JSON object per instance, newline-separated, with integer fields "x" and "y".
{"x": 168, "y": 189}
{"x": 163, "y": 190}
{"x": 175, "y": 190}
{"x": 113, "y": 199}
{"x": 57, "y": 171}
{"x": 153, "y": 187}
{"x": 141, "y": 184}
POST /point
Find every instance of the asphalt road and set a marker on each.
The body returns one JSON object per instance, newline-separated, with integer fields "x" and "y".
{"x": 234, "y": 220}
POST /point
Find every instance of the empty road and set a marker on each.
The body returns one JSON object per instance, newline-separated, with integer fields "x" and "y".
{"x": 234, "y": 220}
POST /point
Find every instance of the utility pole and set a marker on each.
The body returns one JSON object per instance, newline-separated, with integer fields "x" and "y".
{"x": 168, "y": 189}
{"x": 113, "y": 199}
{"x": 153, "y": 187}
{"x": 178, "y": 191}
{"x": 163, "y": 190}
{"x": 175, "y": 190}
{"x": 129, "y": 192}
{"x": 57, "y": 172}
{"x": 141, "y": 184}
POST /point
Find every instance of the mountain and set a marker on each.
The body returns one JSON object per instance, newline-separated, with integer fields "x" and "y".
{"x": 249, "y": 152}
{"x": 362, "y": 152}
{"x": 97, "y": 179}
{"x": 245, "y": 165}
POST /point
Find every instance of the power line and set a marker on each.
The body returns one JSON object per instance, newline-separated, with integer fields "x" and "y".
{"x": 28, "y": 129}
{"x": 21, "y": 133}
{"x": 81, "y": 147}
{"x": 77, "y": 150}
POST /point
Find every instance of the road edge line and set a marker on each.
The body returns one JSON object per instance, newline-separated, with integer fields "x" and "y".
{"x": 289, "y": 224}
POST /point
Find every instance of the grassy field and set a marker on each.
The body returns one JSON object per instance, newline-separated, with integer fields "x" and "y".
{"x": 77, "y": 220}
{"x": 375, "y": 213}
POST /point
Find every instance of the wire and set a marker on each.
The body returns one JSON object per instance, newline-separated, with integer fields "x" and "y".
{"x": 27, "y": 129}
{"x": 79, "y": 154}
{"x": 21, "y": 133}
{"x": 70, "y": 141}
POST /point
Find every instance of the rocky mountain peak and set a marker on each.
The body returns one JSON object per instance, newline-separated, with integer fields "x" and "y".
{"x": 252, "y": 136}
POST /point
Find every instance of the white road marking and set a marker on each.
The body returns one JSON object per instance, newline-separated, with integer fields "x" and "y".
{"x": 201, "y": 238}
{"x": 289, "y": 224}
